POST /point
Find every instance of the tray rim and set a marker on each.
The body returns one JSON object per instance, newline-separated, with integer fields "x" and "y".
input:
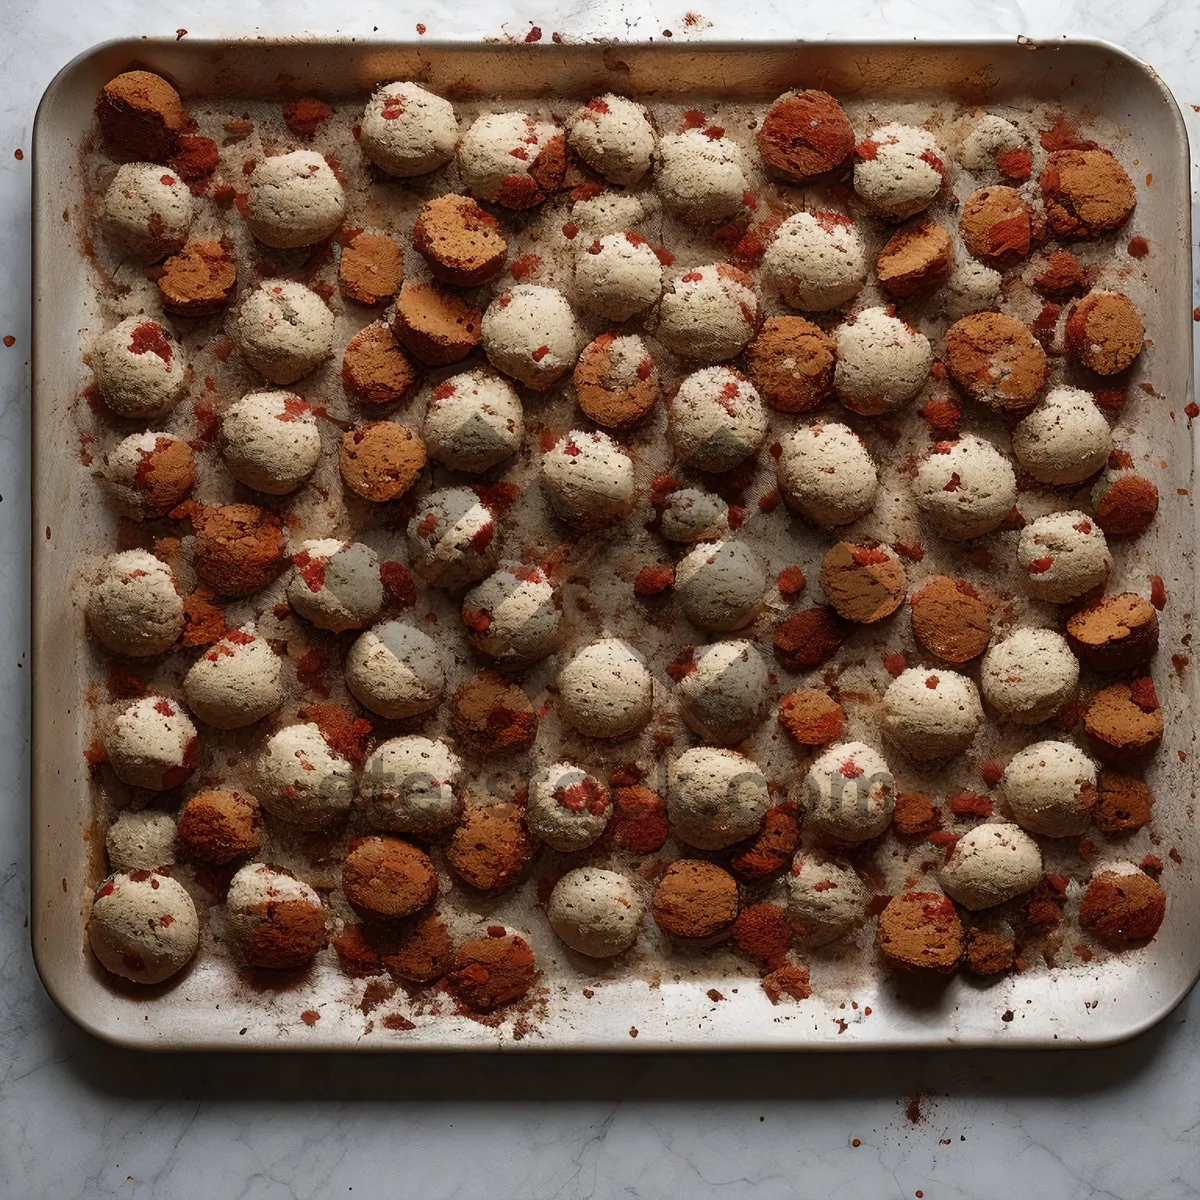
{"x": 40, "y": 886}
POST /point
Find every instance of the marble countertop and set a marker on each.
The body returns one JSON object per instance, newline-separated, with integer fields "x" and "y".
{"x": 81, "y": 1119}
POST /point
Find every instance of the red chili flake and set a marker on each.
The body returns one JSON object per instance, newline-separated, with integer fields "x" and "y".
{"x": 444, "y": 391}
{"x": 9, "y": 340}
{"x": 714, "y": 132}
{"x": 482, "y": 537}
{"x": 519, "y": 152}
{"x": 736, "y": 516}
{"x": 1111, "y": 399}
{"x": 931, "y": 682}
{"x": 943, "y": 837}
{"x": 790, "y": 582}
{"x": 928, "y": 156}
{"x": 311, "y": 668}
{"x": 598, "y": 106}
{"x": 769, "y": 502}
{"x": 683, "y": 665}
{"x": 970, "y": 804}
{"x": 1040, "y": 566}
{"x": 393, "y": 107}
{"x": 1138, "y": 247}
{"x": 150, "y": 338}
{"x": 850, "y": 769}
{"x": 534, "y": 35}
{"x": 1192, "y": 409}
{"x": 1062, "y": 136}
{"x": 398, "y": 580}
{"x": 664, "y": 256}
{"x": 693, "y": 118}
{"x": 525, "y": 266}
{"x": 913, "y": 551}
{"x": 428, "y": 524}
{"x": 749, "y": 200}
{"x": 1083, "y": 526}
{"x": 654, "y": 580}
{"x": 538, "y": 355}
{"x": 570, "y": 229}
{"x": 586, "y": 191}
{"x": 952, "y": 486}
{"x": 18, "y": 154}
{"x": 895, "y": 663}
{"x": 692, "y": 277}
{"x": 239, "y": 637}
{"x": 571, "y": 450}
{"x": 586, "y": 795}
{"x": 1016, "y": 164}
{"x": 1179, "y": 662}
{"x": 944, "y": 447}
{"x": 645, "y": 369}
{"x": 164, "y": 708}
{"x": 420, "y": 27}
{"x": 867, "y": 149}
{"x": 106, "y": 889}
{"x": 635, "y": 239}
{"x": 867, "y": 556}
{"x": 478, "y": 619}
{"x": 1046, "y": 322}
{"x": 595, "y": 247}
{"x": 1158, "y": 592}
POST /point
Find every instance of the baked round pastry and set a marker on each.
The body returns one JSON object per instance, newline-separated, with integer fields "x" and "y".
{"x": 616, "y": 381}
{"x": 720, "y": 585}
{"x": 1049, "y": 788}
{"x": 512, "y": 160}
{"x": 816, "y": 261}
{"x": 725, "y": 692}
{"x": 302, "y": 780}
{"x": 965, "y": 487}
{"x": 999, "y": 226}
{"x": 701, "y": 179}
{"x": 899, "y": 171}
{"x": 139, "y": 368}
{"x": 849, "y": 794}
{"x": 791, "y": 363}
{"x": 989, "y": 865}
{"x": 1063, "y": 555}
{"x": 1029, "y": 676}
{"x": 613, "y": 135}
{"x": 408, "y": 131}
{"x": 617, "y": 276}
{"x": 1086, "y": 192}
{"x": 147, "y": 211}
{"x": 148, "y": 474}
{"x": 513, "y": 616}
{"x": 568, "y": 809}
{"x": 708, "y": 313}
{"x": 462, "y": 243}
{"x": 917, "y": 259}
{"x": 387, "y": 877}
{"x": 411, "y": 785}
{"x": 336, "y": 585}
{"x": 1065, "y": 439}
{"x": 270, "y": 441}
{"x": 715, "y": 797}
{"x": 596, "y": 912}
{"x": 805, "y": 133}
{"x": 882, "y": 363}
{"x": 950, "y": 619}
{"x": 862, "y": 583}
{"x": 140, "y": 839}
{"x": 1104, "y": 332}
{"x": 589, "y": 479}
{"x": 134, "y": 607}
{"x": 396, "y": 671}
{"x": 931, "y": 714}
{"x": 294, "y": 200}
{"x": 716, "y": 419}
{"x": 452, "y": 539}
{"x": 827, "y": 474}
{"x": 143, "y": 926}
{"x": 284, "y": 330}
{"x": 1116, "y": 633}
{"x": 277, "y": 920}
{"x": 235, "y": 682}
{"x": 996, "y": 360}
{"x": 530, "y": 333}
{"x": 825, "y": 898}
{"x": 605, "y": 690}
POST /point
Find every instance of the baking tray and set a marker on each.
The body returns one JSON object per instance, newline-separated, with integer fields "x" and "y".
{"x": 1111, "y": 1000}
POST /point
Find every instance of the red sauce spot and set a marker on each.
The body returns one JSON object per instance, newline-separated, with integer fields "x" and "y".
{"x": 310, "y": 1017}
{"x": 895, "y": 664}
{"x": 9, "y": 340}
{"x": 1138, "y": 247}
{"x": 525, "y": 266}
{"x": 736, "y": 516}
{"x": 482, "y": 537}
{"x": 106, "y": 889}
{"x": 714, "y": 132}
{"x": 311, "y": 668}
{"x": 444, "y": 391}
{"x": 150, "y": 338}
{"x": 1192, "y": 410}
{"x": 683, "y": 665}
{"x": 769, "y": 502}
{"x": 928, "y": 156}
{"x": 1083, "y": 526}
{"x": 398, "y": 580}
{"x": 952, "y": 486}
{"x": 664, "y": 256}
{"x": 943, "y": 837}
{"x": 519, "y": 152}
{"x": 571, "y": 450}
{"x": 970, "y": 804}
{"x": 791, "y": 582}
{"x": 645, "y": 369}
{"x": 1062, "y": 136}
{"x": 693, "y": 118}
{"x": 538, "y": 355}
{"x": 1045, "y": 323}
{"x": 867, "y": 149}
{"x": 654, "y": 580}
{"x": 913, "y": 551}
{"x": 586, "y": 191}
{"x": 293, "y": 407}
{"x": 1040, "y": 566}
{"x": 776, "y": 449}
{"x": 867, "y": 556}
{"x": 992, "y": 772}
{"x": 534, "y": 35}
{"x": 164, "y": 708}
{"x": 931, "y": 682}
{"x": 692, "y": 277}
{"x": 570, "y": 229}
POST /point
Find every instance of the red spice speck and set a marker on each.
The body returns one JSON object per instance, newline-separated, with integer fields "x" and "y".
{"x": 586, "y": 191}
{"x": 867, "y": 149}
{"x": 943, "y": 837}
{"x": 538, "y": 355}
{"x": 970, "y": 804}
{"x": 736, "y": 516}
{"x": 1158, "y": 592}
{"x": 150, "y": 338}
{"x": 992, "y": 772}
{"x": 482, "y": 537}
{"x": 714, "y": 132}
{"x": 570, "y": 229}
{"x": 1016, "y": 164}
{"x": 654, "y": 580}
{"x": 587, "y": 795}
{"x": 850, "y": 769}
{"x": 534, "y": 35}
{"x": 398, "y": 580}
{"x": 683, "y": 665}
{"x": 896, "y": 663}
{"x": 525, "y": 266}
{"x": 693, "y": 118}
{"x": 867, "y": 556}
{"x": 664, "y": 256}
{"x": 478, "y": 619}
{"x": 310, "y": 1017}
{"x": 1040, "y": 566}
{"x": 790, "y": 582}
{"x": 164, "y": 708}
{"x": 9, "y": 340}
{"x": 1138, "y": 247}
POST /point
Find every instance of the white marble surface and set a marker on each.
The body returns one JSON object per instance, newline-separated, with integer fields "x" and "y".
{"x": 79, "y": 1119}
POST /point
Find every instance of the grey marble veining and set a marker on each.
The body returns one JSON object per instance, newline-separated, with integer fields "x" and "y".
{"x": 79, "y": 1119}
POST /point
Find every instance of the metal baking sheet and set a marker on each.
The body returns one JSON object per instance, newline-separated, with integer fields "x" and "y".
{"x": 211, "y": 1005}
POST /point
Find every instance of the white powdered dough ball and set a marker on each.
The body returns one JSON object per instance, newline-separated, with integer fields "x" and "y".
{"x": 931, "y": 714}
{"x": 408, "y": 131}
{"x": 989, "y": 865}
{"x": 715, "y": 797}
{"x": 336, "y": 585}
{"x": 596, "y": 912}
{"x": 826, "y": 473}
{"x": 144, "y": 929}
{"x": 849, "y": 794}
{"x": 147, "y": 211}
{"x": 513, "y": 616}
{"x": 140, "y": 840}
{"x": 270, "y": 441}
{"x": 881, "y": 362}
{"x": 1029, "y": 676}
{"x": 500, "y": 148}
{"x": 1049, "y": 787}
{"x": 1063, "y": 555}
{"x": 716, "y": 419}
{"x": 971, "y": 288}
{"x": 609, "y": 212}
{"x": 568, "y": 809}
{"x": 605, "y": 690}
{"x": 589, "y": 479}
{"x": 396, "y": 670}
{"x": 152, "y": 744}
{"x": 452, "y": 539}
{"x": 1065, "y": 439}
{"x": 700, "y": 179}
{"x": 826, "y": 898}
{"x": 236, "y": 682}
{"x": 134, "y": 607}
{"x": 530, "y": 333}
{"x": 301, "y": 780}
{"x": 709, "y": 313}
{"x": 294, "y": 200}
{"x": 613, "y": 135}
{"x": 284, "y": 330}
{"x": 726, "y": 692}
{"x": 903, "y": 174}
{"x": 411, "y": 785}
{"x": 991, "y": 135}
{"x": 617, "y": 276}
{"x": 816, "y": 261}
{"x": 139, "y": 368}
{"x": 692, "y": 515}
{"x": 966, "y": 488}
{"x": 720, "y": 585}
{"x": 473, "y": 421}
